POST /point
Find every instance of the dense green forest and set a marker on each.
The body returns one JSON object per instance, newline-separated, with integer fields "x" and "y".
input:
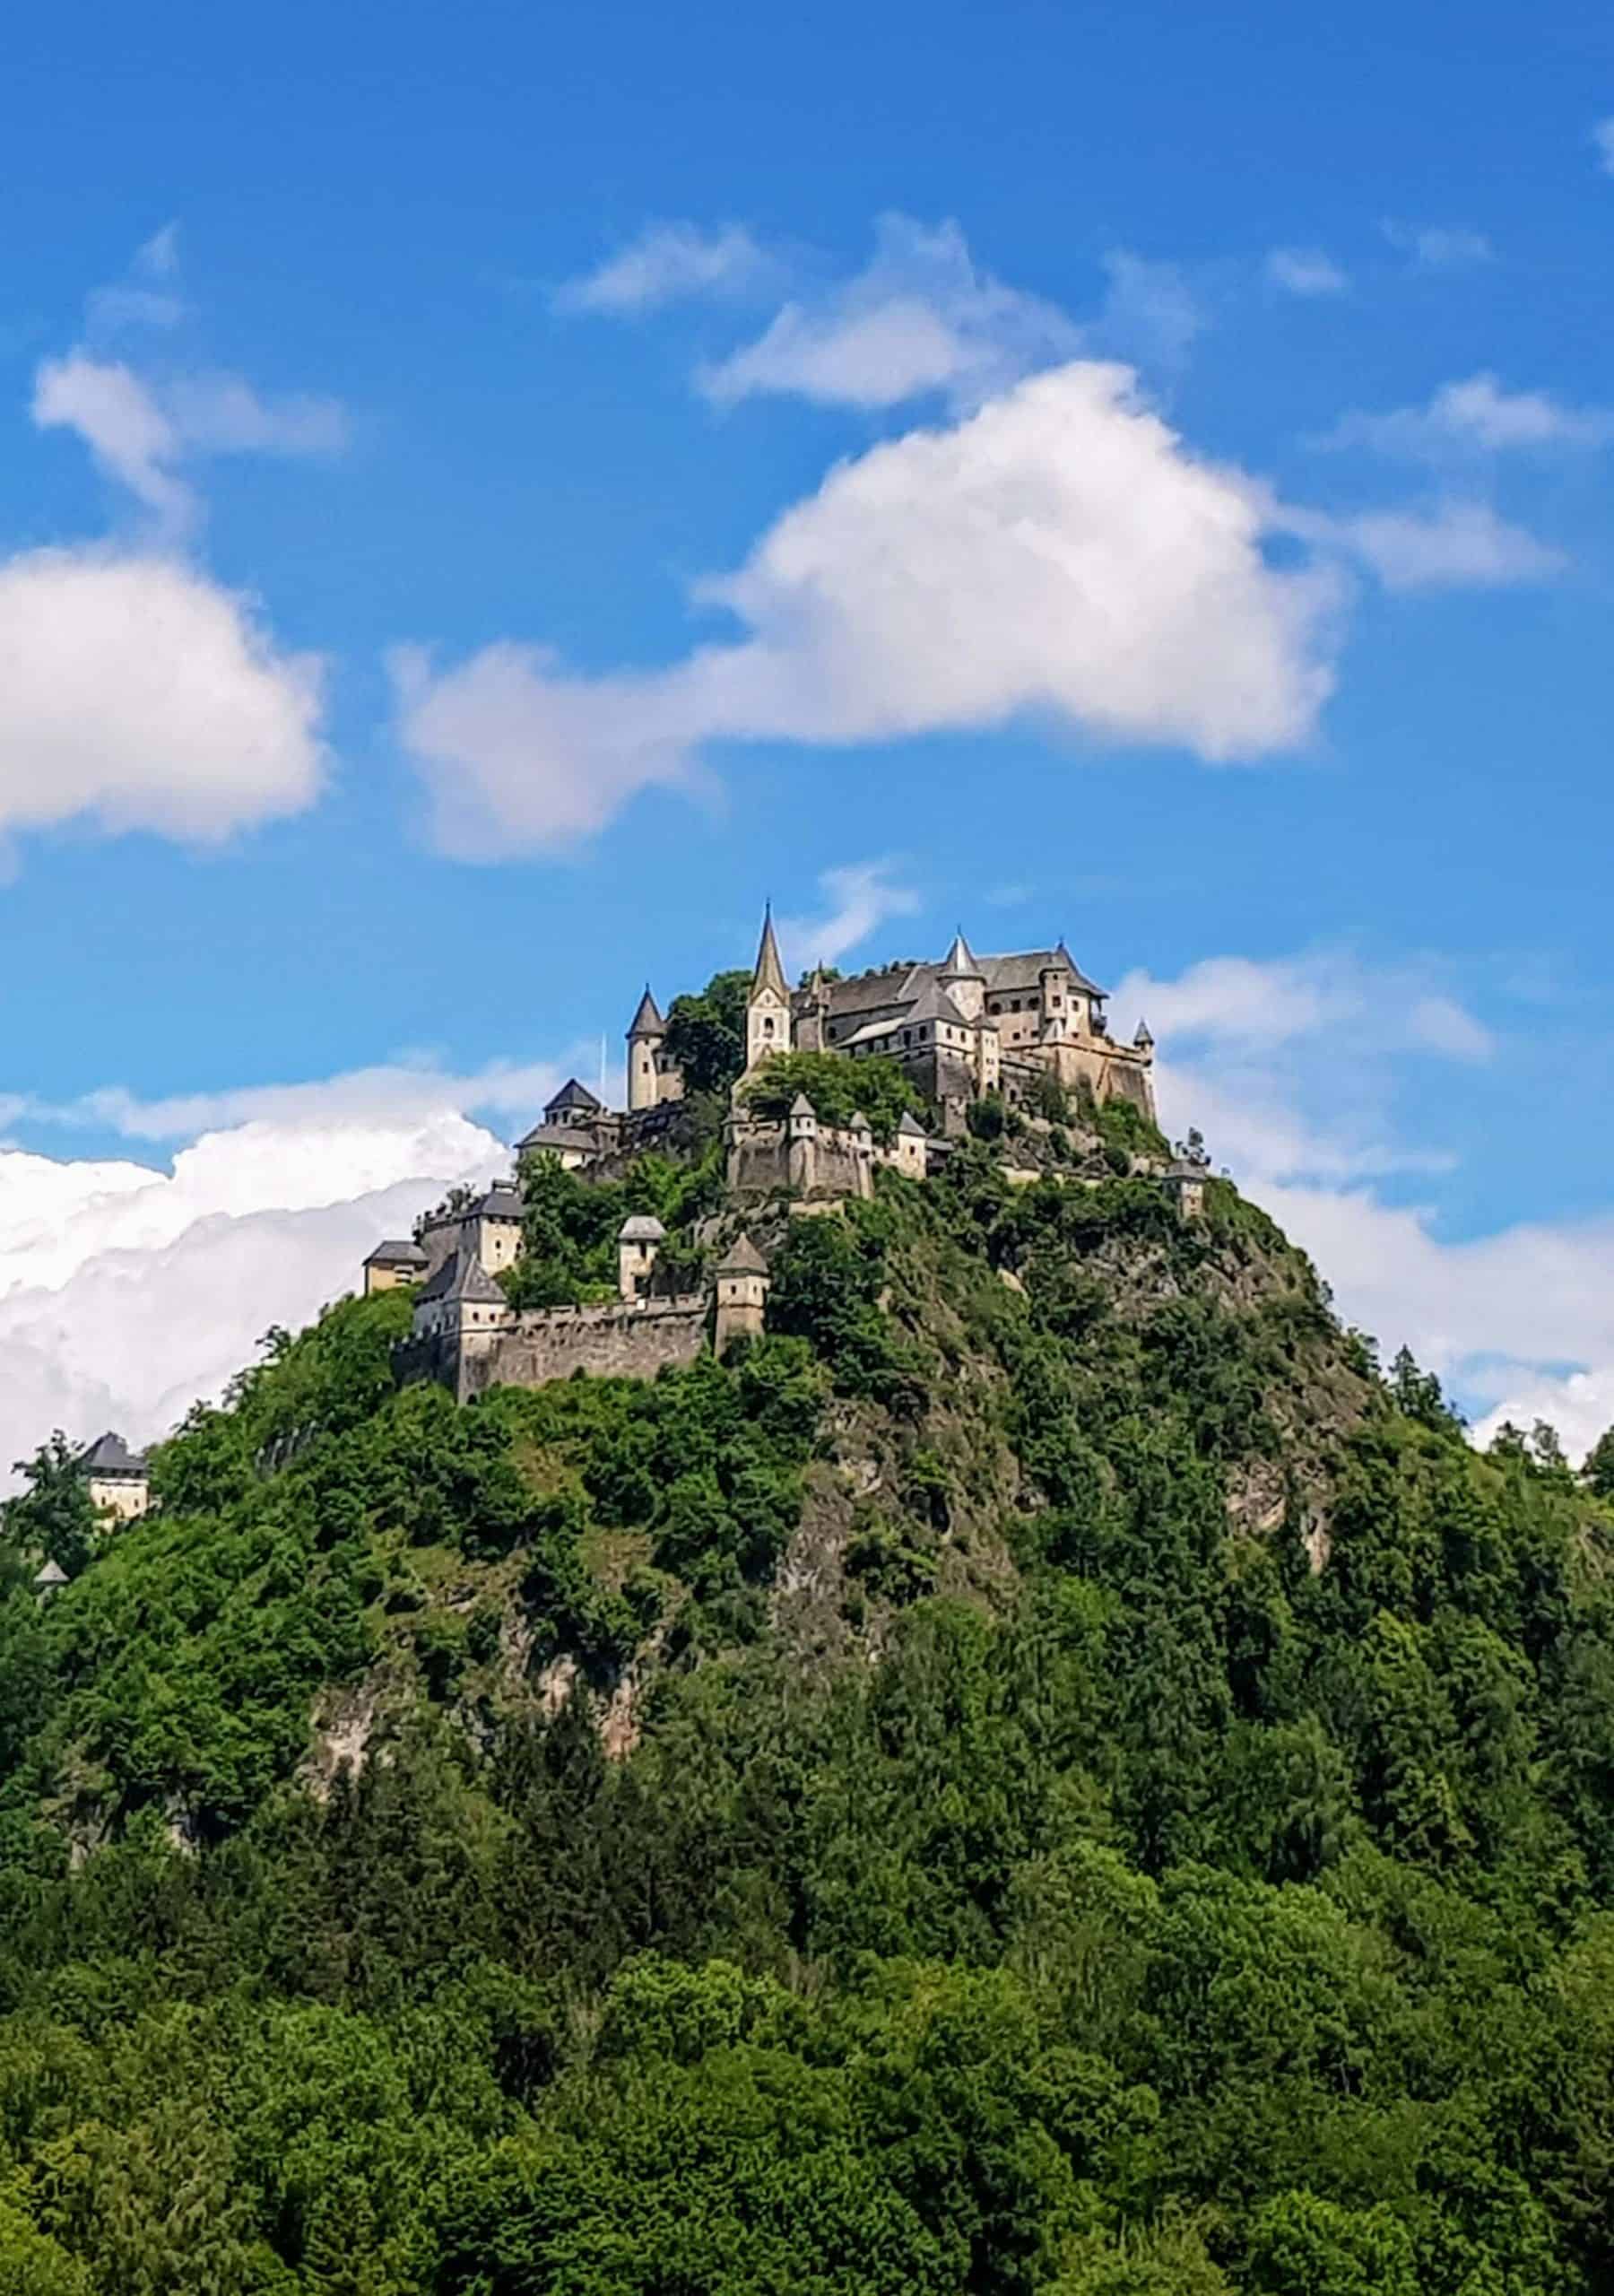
{"x": 1049, "y": 1772}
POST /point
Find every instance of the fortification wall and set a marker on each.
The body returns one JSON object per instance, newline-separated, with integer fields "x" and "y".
{"x": 763, "y": 1161}
{"x": 759, "y": 1163}
{"x": 611, "y": 1341}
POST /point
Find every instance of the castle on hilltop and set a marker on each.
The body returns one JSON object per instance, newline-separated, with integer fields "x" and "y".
{"x": 961, "y": 1029}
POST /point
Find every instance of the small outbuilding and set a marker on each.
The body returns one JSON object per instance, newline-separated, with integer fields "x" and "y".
{"x": 118, "y": 1483}
{"x": 399, "y": 1260}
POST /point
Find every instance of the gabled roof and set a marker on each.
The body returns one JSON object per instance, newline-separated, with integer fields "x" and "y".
{"x": 860, "y": 1122}
{"x": 397, "y": 1251}
{"x": 50, "y": 1574}
{"x": 110, "y": 1455}
{"x": 462, "y": 1277}
{"x": 573, "y": 1095}
{"x": 909, "y": 1123}
{"x": 802, "y": 1106}
{"x": 933, "y": 1003}
{"x": 647, "y": 1021}
{"x": 742, "y": 1258}
{"x": 769, "y": 972}
{"x": 641, "y": 1228}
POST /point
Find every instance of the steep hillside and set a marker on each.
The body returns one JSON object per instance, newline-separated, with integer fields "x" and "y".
{"x": 1045, "y": 1773}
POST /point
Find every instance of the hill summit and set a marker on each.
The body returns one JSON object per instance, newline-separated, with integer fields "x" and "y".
{"x": 1036, "y": 1768}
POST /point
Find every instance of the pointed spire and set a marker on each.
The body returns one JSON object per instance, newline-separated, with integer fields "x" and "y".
{"x": 960, "y": 962}
{"x": 647, "y": 1021}
{"x": 1143, "y": 1040}
{"x": 769, "y": 972}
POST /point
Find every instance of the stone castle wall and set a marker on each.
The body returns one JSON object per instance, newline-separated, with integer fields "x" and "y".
{"x": 617, "y": 1339}
{"x": 763, "y": 1161}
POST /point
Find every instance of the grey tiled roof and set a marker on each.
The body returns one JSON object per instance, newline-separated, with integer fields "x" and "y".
{"x": 909, "y": 1123}
{"x": 1021, "y": 969}
{"x": 397, "y": 1251}
{"x": 742, "y": 1258}
{"x": 647, "y": 1021}
{"x": 573, "y": 1095}
{"x": 462, "y": 1277}
{"x": 641, "y": 1228}
{"x": 500, "y": 1202}
{"x": 110, "y": 1455}
{"x": 934, "y": 1004}
{"x": 558, "y": 1136}
{"x": 960, "y": 960}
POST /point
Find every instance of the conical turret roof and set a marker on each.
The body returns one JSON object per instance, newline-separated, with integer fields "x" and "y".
{"x": 647, "y": 1021}
{"x": 960, "y": 962}
{"x": 742, "y": 1258}
{"x": 769, "y": 972}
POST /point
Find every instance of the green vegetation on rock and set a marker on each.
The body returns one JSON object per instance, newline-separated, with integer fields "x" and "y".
{"x": 1045, "y": 1776}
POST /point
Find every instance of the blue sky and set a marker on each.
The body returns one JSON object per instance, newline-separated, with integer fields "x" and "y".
{"x": 483, "y": 501}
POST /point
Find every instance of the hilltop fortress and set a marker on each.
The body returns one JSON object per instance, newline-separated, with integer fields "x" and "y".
{"x": 962, "y": 1029}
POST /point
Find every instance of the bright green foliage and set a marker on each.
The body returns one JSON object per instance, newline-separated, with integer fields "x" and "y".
{"x": 1598, "y": 1471}
{"x": 837, "y": 1088}
{"x": 706, "y": 1033}
{"x": 570, "y": 1225}
{"x": 1099, "y": 1796}
{"x": 53, "y": 1516}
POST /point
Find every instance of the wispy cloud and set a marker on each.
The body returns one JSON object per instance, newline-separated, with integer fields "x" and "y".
{"x": 143, "y": 425}
{"x": 921, "y": 318}
{"x": 857, "y": 899}
{"x": 1152, "y": 311}
{"x": 668, "y": 262}
{"x": 1451, "y": 544}
{"x": 1439, "y": 246}
{"x": 1306, "y": 271}
{"x": 1603, "y": 139}
{"x": 148, "y": 294}
{"x": 1478, "y": 415}
{"x": 141, "y": 432}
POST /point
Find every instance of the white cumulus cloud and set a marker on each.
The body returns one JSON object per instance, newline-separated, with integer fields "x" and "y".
{"x": 1060, "y": 552}
{"x": 127, "y": 1292}
{"x": 136, "y": 694}
{"x": 1290, "y": 1068}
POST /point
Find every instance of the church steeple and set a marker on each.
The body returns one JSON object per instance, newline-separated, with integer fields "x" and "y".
{"x": 768, "y": 1007}
{"x": 769, "y": 972}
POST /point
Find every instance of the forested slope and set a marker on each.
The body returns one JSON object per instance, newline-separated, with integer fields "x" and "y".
{"x": 1046, "y": 1773}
